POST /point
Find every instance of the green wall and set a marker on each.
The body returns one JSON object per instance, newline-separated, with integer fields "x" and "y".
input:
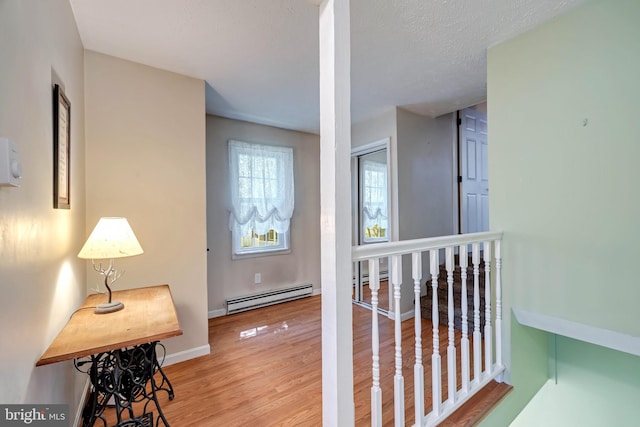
{"x": 565, "y": 193}
{"x": 596, "y": 387}
{"x": 529, "y": 372}
{"x": 564, "y": 101}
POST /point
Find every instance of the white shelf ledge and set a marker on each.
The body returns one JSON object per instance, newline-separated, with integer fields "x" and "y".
{"x": 579, "y": 331}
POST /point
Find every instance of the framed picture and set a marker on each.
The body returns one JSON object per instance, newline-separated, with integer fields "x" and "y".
{"x": 61, "y": 149}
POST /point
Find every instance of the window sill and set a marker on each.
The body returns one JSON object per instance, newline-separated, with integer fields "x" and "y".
{"x": 235, "y": 256}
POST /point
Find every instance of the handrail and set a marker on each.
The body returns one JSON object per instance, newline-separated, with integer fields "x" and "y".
{"x": 400, "y": 247}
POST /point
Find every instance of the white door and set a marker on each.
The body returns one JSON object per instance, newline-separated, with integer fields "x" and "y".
{"x": 474, "y": 185}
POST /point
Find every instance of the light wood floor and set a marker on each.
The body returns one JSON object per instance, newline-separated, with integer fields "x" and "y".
{"x": 265, "y": 370}
{"x": 383, "y": 295}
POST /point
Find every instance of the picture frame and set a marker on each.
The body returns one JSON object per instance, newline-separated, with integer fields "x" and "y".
{"x": 61, "y": 149}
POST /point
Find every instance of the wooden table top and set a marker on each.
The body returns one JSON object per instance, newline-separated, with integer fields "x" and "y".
{"x": 148, "y": 315}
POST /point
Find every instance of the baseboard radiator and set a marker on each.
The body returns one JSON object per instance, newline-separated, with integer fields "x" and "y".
{"x": 263, "y": 299}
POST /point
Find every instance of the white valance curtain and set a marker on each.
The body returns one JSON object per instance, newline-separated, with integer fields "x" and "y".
{"x": 374, "y": 199}
{"x": 262, "y": 190}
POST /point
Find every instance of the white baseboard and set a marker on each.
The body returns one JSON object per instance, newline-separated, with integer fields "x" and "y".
{"x": 217, "y": 313}
{"x": 316, "y": 292}
{"x": 404, "y": 316}
{"x": 191, "y": 353}
{"x": 407, "y": 315}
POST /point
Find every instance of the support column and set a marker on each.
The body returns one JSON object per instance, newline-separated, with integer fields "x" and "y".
{"x": 335, "y": 217}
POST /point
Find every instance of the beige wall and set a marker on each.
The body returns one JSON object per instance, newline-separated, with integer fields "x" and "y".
{"x": 422, "y": 153}
{"x": 425, "y": 185}
{"x": 425, "y": 175}
{"x": 231, "y": 278}
{"x": 146, "y": 161}
{"x": 375, "y": 129}
{"x": 422, "y": 177}
{"x": 482, "y": 107}
{"x": 41, "y": 279}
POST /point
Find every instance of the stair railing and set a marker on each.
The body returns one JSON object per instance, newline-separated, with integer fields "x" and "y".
{"x": 483, "y": 251}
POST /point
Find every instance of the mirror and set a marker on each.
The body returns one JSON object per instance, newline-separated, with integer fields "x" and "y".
{"x": 370, "y": 207}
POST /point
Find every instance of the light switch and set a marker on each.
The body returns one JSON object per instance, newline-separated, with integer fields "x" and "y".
{"x": 10, "y": 168}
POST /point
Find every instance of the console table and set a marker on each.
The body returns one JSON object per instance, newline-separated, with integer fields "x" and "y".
{"x": 118, "y": 352}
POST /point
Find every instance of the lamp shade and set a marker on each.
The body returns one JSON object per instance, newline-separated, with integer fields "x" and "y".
{"x": 111, "y": 238}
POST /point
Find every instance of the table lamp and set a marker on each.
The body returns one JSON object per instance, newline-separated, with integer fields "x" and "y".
{"x": 111, "y": 238}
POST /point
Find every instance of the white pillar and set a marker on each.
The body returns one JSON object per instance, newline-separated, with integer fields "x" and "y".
{"x": 335, "y": 217}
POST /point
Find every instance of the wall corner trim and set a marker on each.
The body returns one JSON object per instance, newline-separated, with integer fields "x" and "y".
{"x": 579, "y": 331}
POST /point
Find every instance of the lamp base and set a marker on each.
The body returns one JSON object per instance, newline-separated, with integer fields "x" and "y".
{"x": 109, "y": 307}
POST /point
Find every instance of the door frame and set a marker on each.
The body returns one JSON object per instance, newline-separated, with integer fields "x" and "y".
{"x": 372, "y": 147}
{"x": 356, "y": 152}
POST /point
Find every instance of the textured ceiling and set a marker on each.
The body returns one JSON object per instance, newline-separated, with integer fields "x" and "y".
{"x": 260, "y": 57}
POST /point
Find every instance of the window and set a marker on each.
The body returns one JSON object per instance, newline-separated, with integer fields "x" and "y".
{"x": 262, "y": 197}
{"x": 374, "y": 201}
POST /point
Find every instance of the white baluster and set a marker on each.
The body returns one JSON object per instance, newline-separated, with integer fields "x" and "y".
{"x": 498, "y": 303}
{"x": 464, "y": 343}
{"x": 488, "y": 330}
{"x": 451, "y": 348}
{"x": 418, "y": 369}
{"x": 376, "y": 391}
{"x": 477, "y": 336}
{"x": 436, "y": 368}
{"x": 398, "y": 379}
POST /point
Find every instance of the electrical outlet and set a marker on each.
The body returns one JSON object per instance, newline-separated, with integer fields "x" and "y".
{"x": 257, "y": 279}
